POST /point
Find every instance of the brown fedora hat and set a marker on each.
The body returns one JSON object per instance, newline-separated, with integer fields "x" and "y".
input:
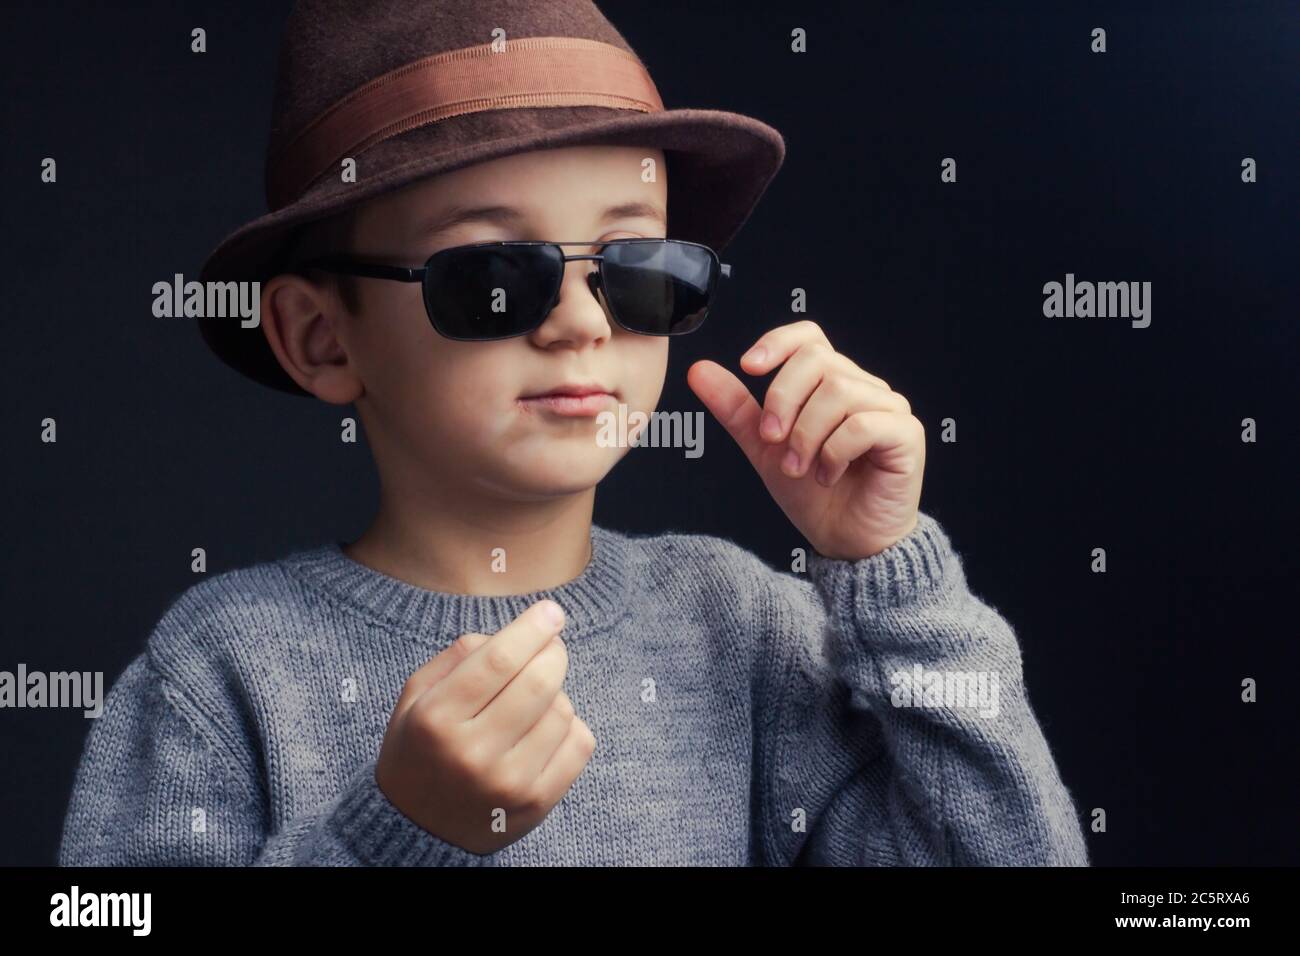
{"x": 408, "y": 89}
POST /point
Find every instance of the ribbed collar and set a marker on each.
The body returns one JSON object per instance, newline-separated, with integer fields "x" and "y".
{"x": 594, "y": 599}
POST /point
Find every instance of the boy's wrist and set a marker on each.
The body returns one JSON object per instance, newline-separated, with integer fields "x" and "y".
{"x": 920, "y": 563}
{"x": 381, "y": 835}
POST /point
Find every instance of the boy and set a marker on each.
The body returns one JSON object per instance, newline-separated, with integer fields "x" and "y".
{"x": 485, "y": 677}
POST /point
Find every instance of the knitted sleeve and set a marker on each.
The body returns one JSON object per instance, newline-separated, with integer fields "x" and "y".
{"x": 892, "y": 725}
{"x": 155, "y": 787}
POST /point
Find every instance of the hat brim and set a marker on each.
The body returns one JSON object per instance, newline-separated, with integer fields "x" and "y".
{"x": 720, "y": 164}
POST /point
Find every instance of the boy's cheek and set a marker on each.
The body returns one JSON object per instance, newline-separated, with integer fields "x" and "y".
{"x": 643, "y": 371}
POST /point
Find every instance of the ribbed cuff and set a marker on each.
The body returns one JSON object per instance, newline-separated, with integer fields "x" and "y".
{"x": 381, "y": 835}
{"x": 921, "y": 562}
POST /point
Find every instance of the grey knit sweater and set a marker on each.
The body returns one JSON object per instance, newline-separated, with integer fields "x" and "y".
{"x": 863, "y": 713}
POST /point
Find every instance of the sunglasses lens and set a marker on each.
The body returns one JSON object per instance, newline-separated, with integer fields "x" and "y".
{"x": 491, "y": 292}
{"x": 659, "y": 288}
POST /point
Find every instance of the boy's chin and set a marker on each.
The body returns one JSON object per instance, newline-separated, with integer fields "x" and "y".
{"x": 565, "y": 471}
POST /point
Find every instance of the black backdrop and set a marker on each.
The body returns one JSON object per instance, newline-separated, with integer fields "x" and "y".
{"x": 1072, "y": 433}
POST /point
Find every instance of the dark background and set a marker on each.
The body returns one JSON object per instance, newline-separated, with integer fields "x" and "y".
{"x": 1072, "y": 433}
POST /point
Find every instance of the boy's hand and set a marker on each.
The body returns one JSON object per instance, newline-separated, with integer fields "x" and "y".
{"x": 484, "y": 726}
{"x": 832, "y": 415}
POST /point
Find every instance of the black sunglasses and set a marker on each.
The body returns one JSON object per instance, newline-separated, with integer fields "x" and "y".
{"x": 498, "y": 290}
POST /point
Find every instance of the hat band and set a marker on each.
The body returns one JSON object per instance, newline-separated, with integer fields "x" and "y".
{"x": 528, "y": 72}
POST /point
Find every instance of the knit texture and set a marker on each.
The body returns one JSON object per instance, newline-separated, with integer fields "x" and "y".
{"x": 743, "y": 715}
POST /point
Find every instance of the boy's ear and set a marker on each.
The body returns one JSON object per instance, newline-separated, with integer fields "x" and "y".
{"x": 301, "y": 321}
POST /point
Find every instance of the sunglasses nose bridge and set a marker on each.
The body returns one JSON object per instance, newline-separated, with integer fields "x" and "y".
{"x": 593, "y": 277}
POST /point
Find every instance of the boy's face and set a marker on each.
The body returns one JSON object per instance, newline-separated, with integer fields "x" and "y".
{"x": 434, "y": 406}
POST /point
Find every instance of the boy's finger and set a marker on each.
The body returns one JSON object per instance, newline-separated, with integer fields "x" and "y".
{"x": 825, "y": 411}
{"x": 777, "y": 345}
{"x": 893, "y": 442}
{"x": 476, "y": 680}
{"x": 568, "y": 761}
{"x": 438, "y": 667}
{"x": 508, "y": 717}
{"x": 730, "y": 402}
{"x": 791, "y": 389}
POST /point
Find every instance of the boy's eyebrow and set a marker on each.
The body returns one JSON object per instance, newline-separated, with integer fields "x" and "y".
{"x": 635, "y": 210}
{"x": 457, "y": 215}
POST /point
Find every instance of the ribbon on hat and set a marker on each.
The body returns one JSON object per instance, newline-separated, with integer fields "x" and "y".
{"x": 528, "y": 72}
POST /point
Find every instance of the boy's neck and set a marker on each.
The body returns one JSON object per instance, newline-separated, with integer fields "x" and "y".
{"x": 498, "y": 550}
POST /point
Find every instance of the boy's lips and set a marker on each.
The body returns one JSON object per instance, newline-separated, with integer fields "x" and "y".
{"x": 575, "y": 401}
{"x": 572, "y": 388}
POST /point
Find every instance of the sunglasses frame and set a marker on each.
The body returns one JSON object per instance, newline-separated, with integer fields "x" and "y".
{"x": 349, "y": 265}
